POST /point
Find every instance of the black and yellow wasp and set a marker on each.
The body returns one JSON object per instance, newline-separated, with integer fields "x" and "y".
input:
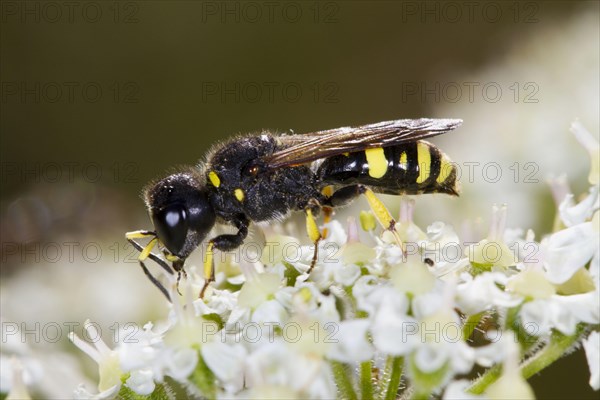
{"x": 263, "y": 177}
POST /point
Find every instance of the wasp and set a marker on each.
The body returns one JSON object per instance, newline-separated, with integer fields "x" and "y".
{"x": 264, "y": 177}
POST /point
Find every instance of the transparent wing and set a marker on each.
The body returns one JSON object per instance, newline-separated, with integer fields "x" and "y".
{"x": 301, "y": 149}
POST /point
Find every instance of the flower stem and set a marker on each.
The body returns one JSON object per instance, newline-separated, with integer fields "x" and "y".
{"x": 366, "y": 380}
{"x": 395, "y": 377}
{"x": 557, "y": 347}
{"x": 470, "y": 325}
{"x": 341, "y": 374}
{"x": 204, "y": 379}
{"x": 490, "y": 376}
{"x": 384, "y": 379}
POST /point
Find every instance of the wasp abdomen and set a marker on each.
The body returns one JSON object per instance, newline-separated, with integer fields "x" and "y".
{"x": 412, "y": 168}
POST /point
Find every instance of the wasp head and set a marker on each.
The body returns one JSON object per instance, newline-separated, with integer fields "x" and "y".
{"x": 181, "y": 212}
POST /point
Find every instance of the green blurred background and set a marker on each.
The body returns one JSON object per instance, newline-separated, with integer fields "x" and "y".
{"x": 100, "y": 97}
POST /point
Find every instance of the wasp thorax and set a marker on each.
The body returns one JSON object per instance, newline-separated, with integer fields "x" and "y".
{"x": 181, "y": 212}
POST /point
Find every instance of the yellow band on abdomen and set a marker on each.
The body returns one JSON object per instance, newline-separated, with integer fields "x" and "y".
{"x": 445, "y": 169}
{"x": 378, "y": 164}
{"x": 424, "y": 161}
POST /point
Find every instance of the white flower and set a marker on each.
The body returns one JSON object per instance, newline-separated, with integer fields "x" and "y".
{"x": 336, "y": 234}
{"x": 272, "y": 312}
{"x": 592, "y": 146}
{"x": 457, "y": 390}
{"x": 544, "y": 309}
{"x": 278, "y": 364}
{"x": 531, "y": 283}
{"x": 221, "y": 303}
{"x": 573, "y": 214}
{"x": 559, "y": 186}
{"x": 108, "y": 360}
{"x": 481, "y": 293}
{"x": 351, "y": 342}
{"x": 494, "y": 352}
{"x": 563, "y": 313}
{"x": 18, "y": 365}
{"x": 82, "y": 393}
{"x": 441, "y": 342}
{"x": 141, "y": 350}
{"x": 592, "y": 353}
{"x": 493, "y": 251}
{"x": 141, "y": 381}
{"x": 412, "y": 276}
{"x": 407, "y": 230}
{"x": 180, "y": 362}
{"x": 18, "y": 390}
{"x": 258, "y": 289}
{"x": 227, "y": 362}
{"x": 394, "y": 331}
{"x": 568, "y": 250}
{"x": 511, "y": 384}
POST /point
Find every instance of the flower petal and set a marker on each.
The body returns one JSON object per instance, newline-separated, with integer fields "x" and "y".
{"x": 592, "y": 353}
{"x": 351, "y": 342}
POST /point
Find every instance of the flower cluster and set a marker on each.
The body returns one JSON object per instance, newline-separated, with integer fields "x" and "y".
{"x": 376, "y": 317}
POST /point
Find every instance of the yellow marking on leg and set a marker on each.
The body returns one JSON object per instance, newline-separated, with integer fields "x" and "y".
{"x": 378, "y": 164}
{"x": 379, "y": 209}
{"x": 239, "y": 194}
{"x": 424, "y": 161}
{"x": 138, "y": 234}
{"x": 403, "y": 162}
{"x": 214, "y": 179}
{"x": 383, "y": 215}
{"x": 445, "y": 169}
{"x": 208, "y": 261}
{"x": 311, "y": 227}
{"x": 171, "y": 257}
{"x": 148, "y": 249}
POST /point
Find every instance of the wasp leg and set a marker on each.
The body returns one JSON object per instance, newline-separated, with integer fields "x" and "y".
{"x": 346, "y": 194}
{"x": 314, "y": 234}
{"x": 178, "y": 267}
{"x": 327, "y": 210}
{"x": 222, "y": 243}
{"x": 146, "y": 252}
{"x": 330, "y": 200}
{"x": 381, "y": 213}
{"x": 155, "y": 281}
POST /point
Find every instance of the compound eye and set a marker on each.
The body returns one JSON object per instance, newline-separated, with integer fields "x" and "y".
{"x": 171, "y": 225}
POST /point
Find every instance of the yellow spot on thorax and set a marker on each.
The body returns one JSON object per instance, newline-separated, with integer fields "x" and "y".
{"x": 239, "y": 194}
{"x": 327, "y": 191}
{"x": 445, "y": 169}
{"x": 378, "y": 164}
{"x": 214, "y": 179}
{"x": 424, "y": 162}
